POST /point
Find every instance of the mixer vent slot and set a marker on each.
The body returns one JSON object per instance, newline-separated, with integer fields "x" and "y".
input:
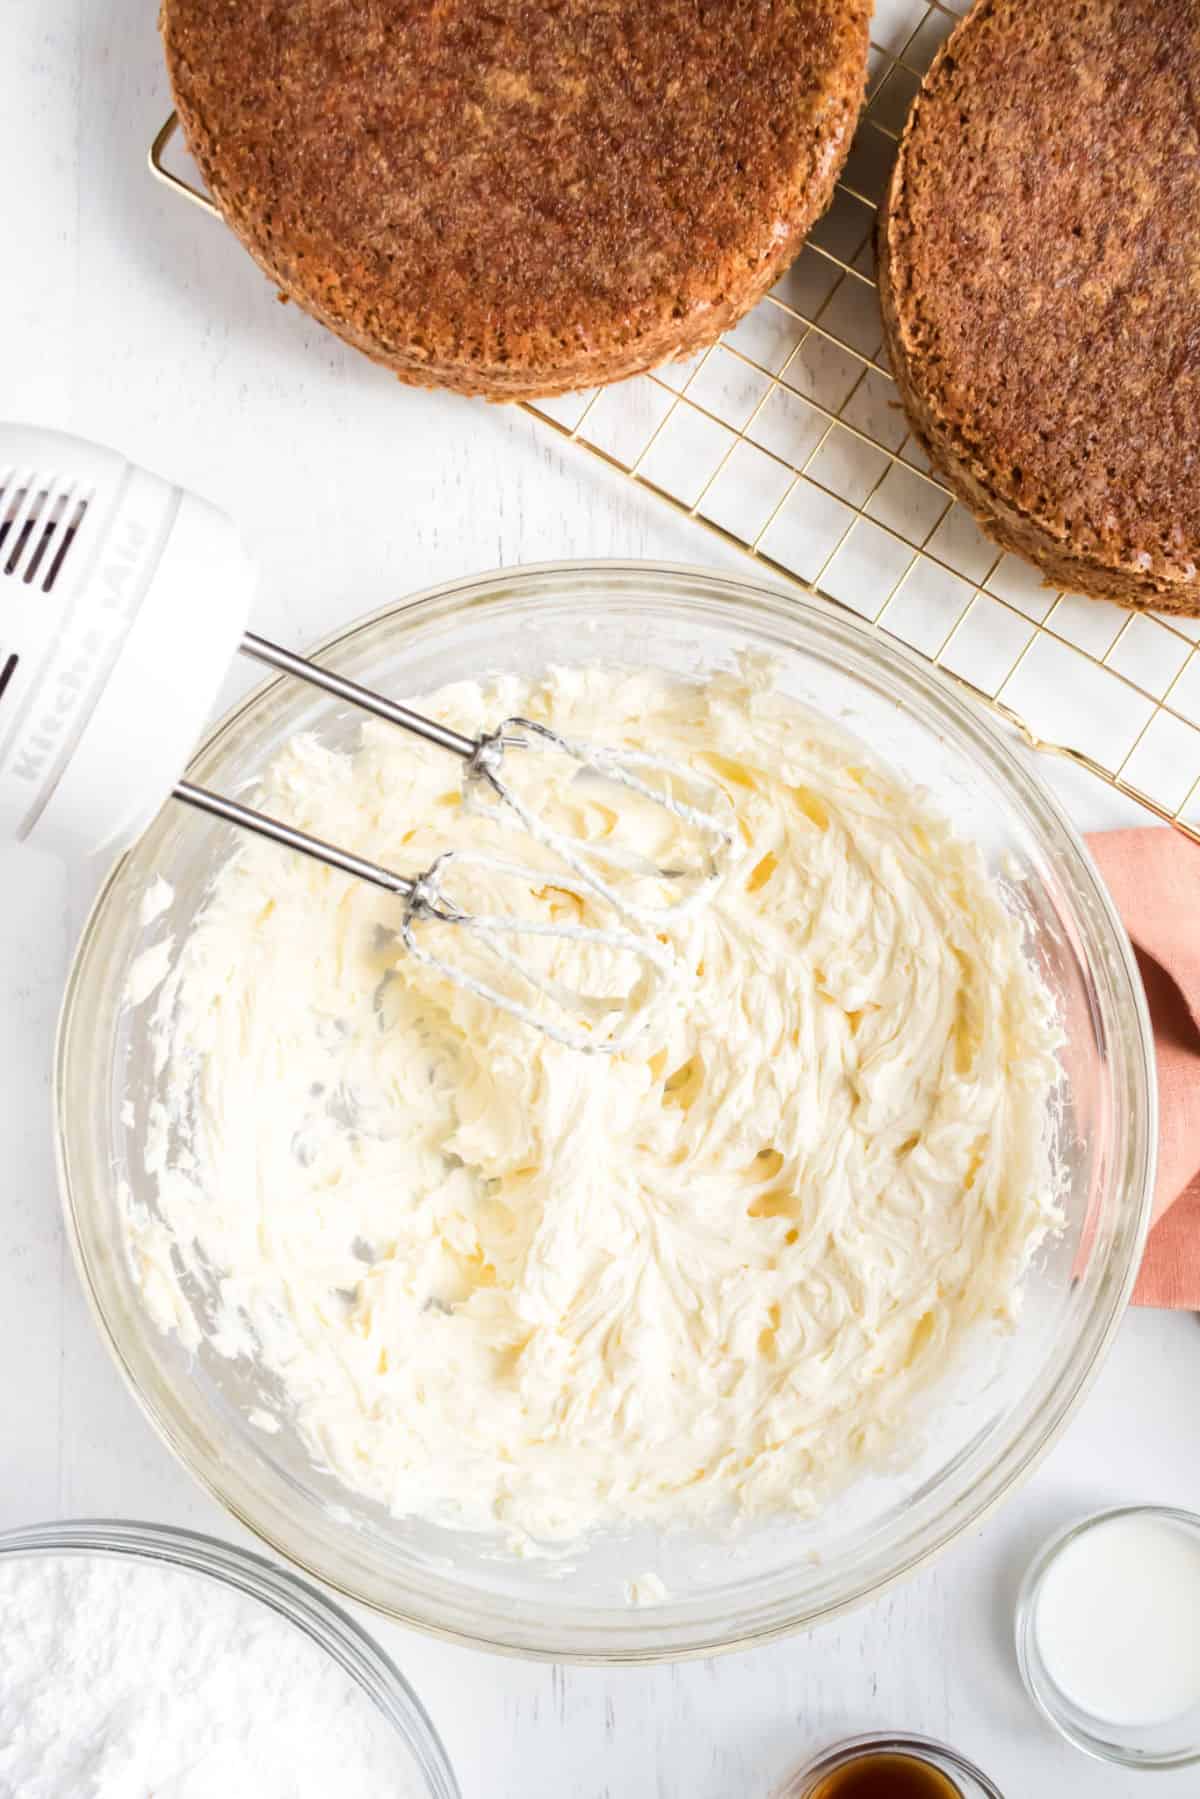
{"x": 12, "y": 500}
{"x": 38, "y": 524}
{"x": 20, "y": 521}
{"x": 7, "y": 671}
{"x": 66, "y": 539}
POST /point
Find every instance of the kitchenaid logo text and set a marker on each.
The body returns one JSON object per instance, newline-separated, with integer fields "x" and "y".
{"x": 116, "y": 582}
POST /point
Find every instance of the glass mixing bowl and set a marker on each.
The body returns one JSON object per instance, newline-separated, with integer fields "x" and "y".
{"x": 994, "y": 1415}
{"x": 419, "y": 1752}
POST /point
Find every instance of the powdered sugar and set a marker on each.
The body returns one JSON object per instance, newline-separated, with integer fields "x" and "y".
{"x": 121, "y": 1679}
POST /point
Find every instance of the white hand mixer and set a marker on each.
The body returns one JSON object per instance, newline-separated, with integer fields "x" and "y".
{"x": 122, "y": 601}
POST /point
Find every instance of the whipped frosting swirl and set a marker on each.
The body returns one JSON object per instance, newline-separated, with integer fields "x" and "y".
{"x": 501, "y": 1284}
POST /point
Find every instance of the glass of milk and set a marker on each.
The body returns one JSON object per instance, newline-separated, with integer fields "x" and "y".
{"x": 1108, "y": 1635}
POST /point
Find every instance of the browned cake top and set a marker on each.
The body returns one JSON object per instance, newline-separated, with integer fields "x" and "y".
{"x": 496, "y": 179}
{"x": 1044, "y": 247}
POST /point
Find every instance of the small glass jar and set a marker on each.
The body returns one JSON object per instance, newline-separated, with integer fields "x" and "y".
{"x": 1168, "y": 1741}
{"x": 947, "y": 1770}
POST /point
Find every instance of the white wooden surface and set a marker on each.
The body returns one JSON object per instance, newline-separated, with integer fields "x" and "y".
{"x": 128, "y": 316}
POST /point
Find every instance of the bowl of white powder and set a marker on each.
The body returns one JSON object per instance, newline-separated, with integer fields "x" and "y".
{"x": 136, "y": 1659}
{"x": 636, "y": 1355}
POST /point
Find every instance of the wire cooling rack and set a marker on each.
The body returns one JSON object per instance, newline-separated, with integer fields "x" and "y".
{"x": 787, "y": 440}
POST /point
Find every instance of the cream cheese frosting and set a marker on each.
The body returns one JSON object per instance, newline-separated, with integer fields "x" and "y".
{"x": 502, "y": 1284}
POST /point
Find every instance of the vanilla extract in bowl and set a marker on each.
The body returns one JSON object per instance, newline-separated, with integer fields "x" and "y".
{"x": 887, "y": 1765}
{"x": 885, "y": 1776}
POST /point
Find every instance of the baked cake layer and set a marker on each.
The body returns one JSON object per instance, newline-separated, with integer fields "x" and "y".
{"x": 1040, "y": 278}
{"x": 526, "y": 196}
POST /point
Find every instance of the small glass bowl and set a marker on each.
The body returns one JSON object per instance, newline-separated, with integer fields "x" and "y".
{"x": 420, "y": 1748}
{"x": 1171, "y": 1744}
{"x": 964, "y": 1776}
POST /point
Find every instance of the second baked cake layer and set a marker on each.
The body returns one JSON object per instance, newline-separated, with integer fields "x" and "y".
{"x": 1040, "y": 279}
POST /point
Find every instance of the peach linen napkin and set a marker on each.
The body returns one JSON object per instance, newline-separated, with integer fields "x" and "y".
{"x": 1154, "y": 877}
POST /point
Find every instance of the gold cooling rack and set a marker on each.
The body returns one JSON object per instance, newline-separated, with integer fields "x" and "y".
{"x": 786, "y": 439}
